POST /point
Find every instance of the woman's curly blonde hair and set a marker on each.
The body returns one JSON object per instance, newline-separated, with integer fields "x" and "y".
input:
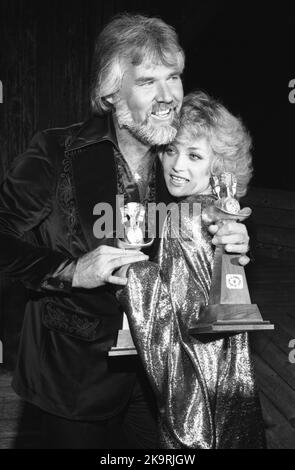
{"x": 202, "y": 115}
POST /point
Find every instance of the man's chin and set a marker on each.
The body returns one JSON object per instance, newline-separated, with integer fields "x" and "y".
{"x": 160, "y": 135}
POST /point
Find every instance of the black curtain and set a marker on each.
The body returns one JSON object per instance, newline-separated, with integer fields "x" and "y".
{"x": 241, "y": 52}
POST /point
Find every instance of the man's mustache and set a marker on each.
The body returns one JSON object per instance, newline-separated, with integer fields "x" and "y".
{"x": 162, "y": 107}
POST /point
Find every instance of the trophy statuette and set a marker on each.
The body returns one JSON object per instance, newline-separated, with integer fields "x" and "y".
{"x": 133, "y": 219}
{"x": 229, "y": 308}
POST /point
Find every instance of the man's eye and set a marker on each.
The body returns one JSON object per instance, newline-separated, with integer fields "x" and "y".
{"x": 174, "y": 77}
{"x": 170, "y": 150}
{"x": 147, "y": 83}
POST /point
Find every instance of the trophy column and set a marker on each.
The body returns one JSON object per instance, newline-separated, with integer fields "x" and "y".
{"x": 229, "y": 308}
{"x": 133, "y": 219}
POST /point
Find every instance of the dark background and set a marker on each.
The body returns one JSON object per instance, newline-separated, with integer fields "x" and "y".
{"x": 241, "y": 52}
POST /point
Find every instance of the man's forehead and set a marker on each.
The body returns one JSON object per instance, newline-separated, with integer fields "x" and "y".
{"x": 149, "y": 66}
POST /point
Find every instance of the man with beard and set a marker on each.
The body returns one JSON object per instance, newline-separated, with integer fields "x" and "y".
{"x": 72, "y": 316}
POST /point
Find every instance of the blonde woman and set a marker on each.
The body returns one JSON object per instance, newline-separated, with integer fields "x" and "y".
{"x": 204, "y": 385}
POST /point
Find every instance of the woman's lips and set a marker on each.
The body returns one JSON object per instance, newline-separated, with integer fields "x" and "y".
{"x": 178, "y": 180}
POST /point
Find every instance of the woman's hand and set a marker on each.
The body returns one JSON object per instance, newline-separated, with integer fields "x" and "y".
{"x": 234, "y": 237}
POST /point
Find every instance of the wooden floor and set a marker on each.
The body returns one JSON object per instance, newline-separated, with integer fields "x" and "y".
{"x": 272, "y": 287}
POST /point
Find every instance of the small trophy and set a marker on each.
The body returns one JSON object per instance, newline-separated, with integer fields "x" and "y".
{"x": 133, "y": 219}
{"x": 229, "y": 308}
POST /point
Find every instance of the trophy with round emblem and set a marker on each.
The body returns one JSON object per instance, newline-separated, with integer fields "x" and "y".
{"x": 229, "y": 308}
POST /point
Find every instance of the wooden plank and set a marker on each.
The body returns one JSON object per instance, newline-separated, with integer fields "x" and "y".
{"x": 28, "y": 441}
{"x": 280, "y": 337}
{"x": 8, "y": 428}
{"x": 19, "y": 422}
{"x": 23, "y": 442}
{"x": 10, "y": 409}
{"x": 5, "y": 378}
{"x": 276, "y": 359}
{"x": 277, "y": 390}
{"x": 288, "y": 331}
{"x": 7, "y": 442}
{"x": 279, "y": 433}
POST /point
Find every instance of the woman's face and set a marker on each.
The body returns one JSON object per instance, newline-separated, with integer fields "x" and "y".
{"x": 186, "y": 165}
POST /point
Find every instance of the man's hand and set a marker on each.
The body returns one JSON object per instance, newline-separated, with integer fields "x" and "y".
{"x": 122, "y": 273}
{"x": 234, "y": 236}
{"x": 96, "y": 268}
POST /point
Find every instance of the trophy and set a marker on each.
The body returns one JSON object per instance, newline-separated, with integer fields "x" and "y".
{"x": 229, "y": 308}
{"x": 133, "y": 220}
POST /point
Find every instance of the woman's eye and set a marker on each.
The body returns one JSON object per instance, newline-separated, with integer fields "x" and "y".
{"x": 195, "y": 156}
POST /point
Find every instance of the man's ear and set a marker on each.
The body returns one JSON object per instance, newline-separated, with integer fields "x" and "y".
{"x": 110, "y": 99}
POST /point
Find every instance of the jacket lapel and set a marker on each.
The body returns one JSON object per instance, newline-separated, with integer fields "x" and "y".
{"x": 94, "y": 175}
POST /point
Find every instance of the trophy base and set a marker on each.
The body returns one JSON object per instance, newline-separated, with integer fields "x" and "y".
{"x": 125, "y": 345}
{"x": 221, "y": 318}
{"x": 135, "y": 246}
{"x": 214, "y": 319}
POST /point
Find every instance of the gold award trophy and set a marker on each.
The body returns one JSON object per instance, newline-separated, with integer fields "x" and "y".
{"x": 229, "y": 308}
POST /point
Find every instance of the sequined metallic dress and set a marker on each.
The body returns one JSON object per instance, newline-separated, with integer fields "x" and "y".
{"x": 204, "y": 385}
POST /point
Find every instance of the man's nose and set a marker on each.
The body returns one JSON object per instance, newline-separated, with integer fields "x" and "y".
{"x": 164, "y": 93}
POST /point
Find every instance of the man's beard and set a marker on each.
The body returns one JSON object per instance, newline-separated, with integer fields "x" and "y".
{"x": 146, "y": 132}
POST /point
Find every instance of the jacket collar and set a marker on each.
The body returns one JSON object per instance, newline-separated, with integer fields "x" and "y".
{"x": 94, "y": 130}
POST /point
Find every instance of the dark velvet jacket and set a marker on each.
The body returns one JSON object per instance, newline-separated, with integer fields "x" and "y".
{"x": 50, "y": 192}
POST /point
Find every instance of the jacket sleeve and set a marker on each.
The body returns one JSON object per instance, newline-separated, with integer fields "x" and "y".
{"x": 25, "y": 201}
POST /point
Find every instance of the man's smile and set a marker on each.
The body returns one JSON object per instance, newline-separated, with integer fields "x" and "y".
{"x": 162, "y": 112}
